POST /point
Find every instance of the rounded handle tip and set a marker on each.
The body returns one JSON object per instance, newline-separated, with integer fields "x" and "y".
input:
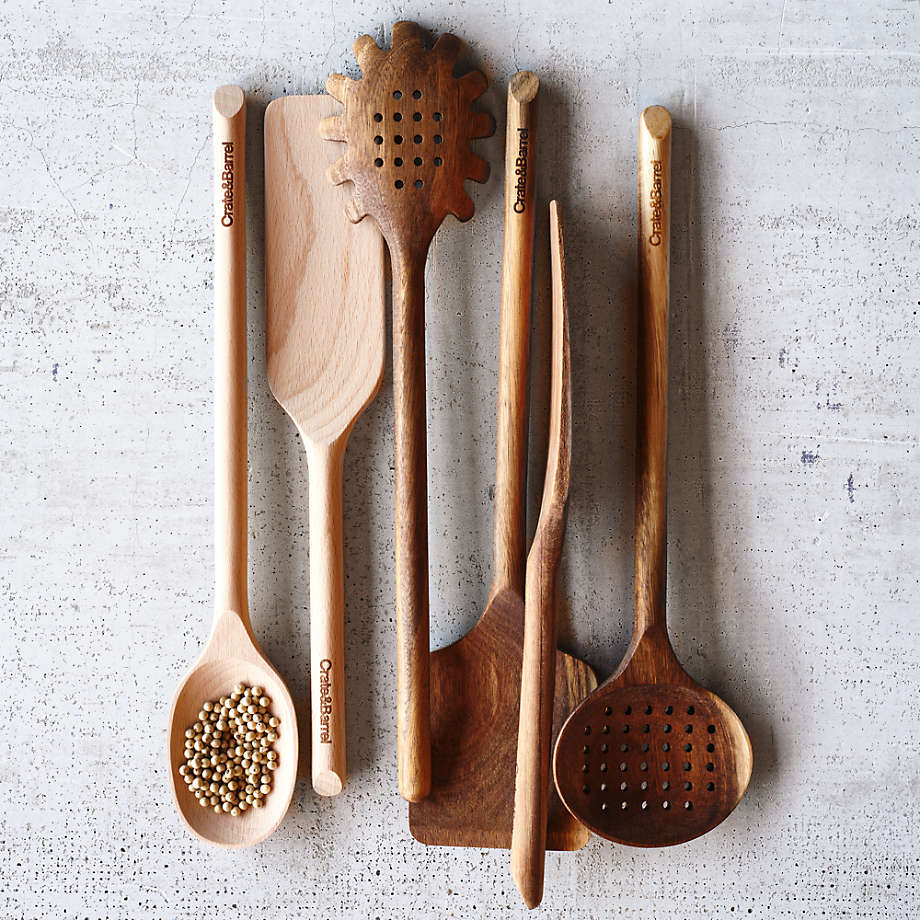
{"x": 229, "y": 100}
{"x": 656, "y": 120}
{"x": 328, "y": 782}
{"x": 413, "y": 793}
{"x": 523, "y": 86}
{"x": 529, "y": 887}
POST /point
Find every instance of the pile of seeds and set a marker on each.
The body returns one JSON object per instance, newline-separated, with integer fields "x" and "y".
{"x": 229, "y": 756}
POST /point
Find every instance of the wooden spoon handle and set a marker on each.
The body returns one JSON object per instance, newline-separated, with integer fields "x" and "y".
{"x": 538, "y": 669}
{"x": 514, "y": 342}
{"x": 327, "y": 616}
{"x": 411, "y": 485}
{"x": 652, "y": 400}
{"x": 230, "y": 458}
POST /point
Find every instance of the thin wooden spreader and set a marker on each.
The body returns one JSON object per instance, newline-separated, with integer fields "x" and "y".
{"x": 533, "y": 780}
{"x": 475, "y": 682}
{"x": 325, "y": 352}
{"x": 232, "y": 654}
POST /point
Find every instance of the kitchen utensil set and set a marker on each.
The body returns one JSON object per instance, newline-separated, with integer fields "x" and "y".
{"x": 650, "y": 758}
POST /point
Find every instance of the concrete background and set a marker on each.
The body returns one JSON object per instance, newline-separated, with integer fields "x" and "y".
{"x": 794, "y": 441}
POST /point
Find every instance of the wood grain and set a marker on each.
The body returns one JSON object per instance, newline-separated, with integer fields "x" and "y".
{"x": 533, "y": 780}
{"x": 652, "y": 758}
{"x": 325, "y": 340}
{"x": 475, "y": 682}
{"x": 230, "y": 404}
{"x": 408, "y": 123}
{"x": 514, "y": 333}
{"x": 651, "y": 536}
{"x": 232, "y": 653}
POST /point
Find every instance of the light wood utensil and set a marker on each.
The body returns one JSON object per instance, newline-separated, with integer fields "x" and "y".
{"x": 325, "y": 350}
{"x": 232, "y": 653}
{"x": 407, "y": 124}
{"x": 475, "y": 683}
{"x": 652, "y": 758}
{"x": 533, "y": 780}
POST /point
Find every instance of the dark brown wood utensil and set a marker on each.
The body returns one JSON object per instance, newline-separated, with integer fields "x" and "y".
{"x": 407, "y": 125}
{"x": 652, "y": 758}
{"x": 532, "y": 783}
{"x": 475, "y": 683}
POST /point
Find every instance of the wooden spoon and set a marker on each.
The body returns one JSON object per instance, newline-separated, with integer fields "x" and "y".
{"x": 476, "y": 682}
{"x": 533, "y": 782}
{"x": 408, "y": 123}
{"x": 652, "y": 758}
{"x": 232, "y": 653}
{"x": 325, "y": 347}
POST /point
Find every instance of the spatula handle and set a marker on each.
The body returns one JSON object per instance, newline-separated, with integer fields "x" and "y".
{"x": 514, "y": 336}
{"x": 230, "y": 457}
{"x": 327, "y": 616}
{"x": 411, "y": 486}
{"x": 652, "y": 399}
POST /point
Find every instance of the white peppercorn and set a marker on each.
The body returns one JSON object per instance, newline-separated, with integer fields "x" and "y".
{"x": 228, "y": 758}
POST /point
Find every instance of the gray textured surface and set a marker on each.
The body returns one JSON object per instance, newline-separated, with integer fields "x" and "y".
{"x": 794, "y": 500}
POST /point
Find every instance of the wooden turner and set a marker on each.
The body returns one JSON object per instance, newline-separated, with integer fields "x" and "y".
{"x": 475, "y": 683}
{"x": 651, "y": 758}
{"x": 325, "y": 344}
{"x": 408, "y": 123}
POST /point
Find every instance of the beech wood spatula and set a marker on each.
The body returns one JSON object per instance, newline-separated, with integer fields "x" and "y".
{"x": 325, "y": 345}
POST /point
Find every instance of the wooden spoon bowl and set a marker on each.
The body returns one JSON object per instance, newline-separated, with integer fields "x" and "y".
{"x": 232, "y": 657}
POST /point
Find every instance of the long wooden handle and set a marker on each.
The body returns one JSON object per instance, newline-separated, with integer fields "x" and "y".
{"x": 514, "y": 342}
{"x": 230, "y": 457}
{"x": 538, "y": 670}
{"x": 652, "y": 402}
{"x": 327, "y": 616}
{"x": 413, "y": 725}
